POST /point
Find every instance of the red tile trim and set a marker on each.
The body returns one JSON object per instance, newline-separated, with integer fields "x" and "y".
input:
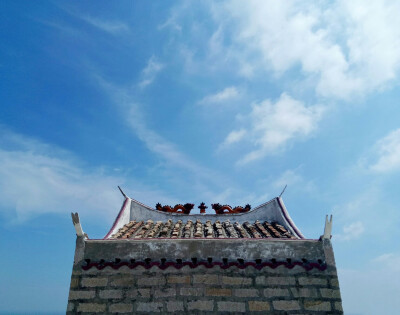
{"x": 162, "y": 266}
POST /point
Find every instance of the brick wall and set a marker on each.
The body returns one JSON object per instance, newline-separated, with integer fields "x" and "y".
{"x": 198, "y": 290}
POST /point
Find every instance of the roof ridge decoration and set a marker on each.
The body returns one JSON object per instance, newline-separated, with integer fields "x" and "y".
{"x": 228, "y": 209}
{"x": 272, "y": 211}
{"x": 179, "y": 208}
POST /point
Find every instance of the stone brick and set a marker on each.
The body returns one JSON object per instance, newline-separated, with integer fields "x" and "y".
{"x": 317, "y": 305}
{"x": 259, "y": 306}
{"x": 237, "y": 280}
{"x": 91, "y": 307}
{"x": 201, "y": 305}
{"x": 145, "y": 293}
{"x": 275, "y": 281}
{"x": 70, "y": 307}
{"x": 206, "y": 279}
{"x": 304, "y": 292}
{"x": 338, "y": 306}
{"x": 246, "y": 292}
{"x": 191, "y": 291}
{"x": 121, "y": 308}
{"x": 74, "y": 283}
{"x": 313, "y": 281}
{"x": 174, "y": 306}
{"x": 334, "y": 282}
{"x": 276, "y": 292}
{"x": 164, "y": 292}
{"x": 282, "y": 305}
{"x": 94, "y": 282}
{"x": 330, "y": 293}
{"x": 179, "y": 279}
{"x": 81, "y": 295}
{"x": 110, "y": 294}
{"x": 218, "y": 292}
{"x": 231, "y": 306}
{"x": 123, "y": 282}
{"x": 151, "y": 281}
{"x": 149, "y": 307}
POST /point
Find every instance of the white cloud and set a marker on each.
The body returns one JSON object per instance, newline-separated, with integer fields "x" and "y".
{"x": 351, "y": 231}
{"x": 150, "y": 72}
{"x": 274, "y": 125}
{"x": 227, "y": 94}
{"x": 36, "y": 178}
{"x": 387, "y": 150}
{"x": 388, "y": 260}
{"x": 340, "y": 48}
{"x": 234, "y": 136}
{"x": 113, "y": 27}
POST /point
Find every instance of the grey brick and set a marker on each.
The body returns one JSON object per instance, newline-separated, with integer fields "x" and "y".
{"x": 165, "y": 292}
{"x": 231, "y": 306}
{"x": 191, "y": 291}
{"x": 110, "y": 294}
{"x": 237, "y": 280}
{"x": 201, "y": 305}
{"x": 121, "y": 308}
{"x": 149, "y": 307}
{"x": 218, "y": 292}
{"x": 179, "y": 279}
{"x": 151, "y": 281}
{"x": 91, "y": 307}
{"x": 70, "y": 307}
{"x": 207, "y": 279}
{"x": 74, "y": 283}
{"x": 145, "y": 293}
{"x": 276, "y": 292}
{"x": 334, "y": 282}
{"x": 317, "y": 305}
{"x": 246, "y": 293}
{"x": 304, "y": 292}
{"x": 94, "y": 282}
{"x": 313, "y": 281}
{"x": 123, "y": 282}
{"x": 338, "y": 306}
{"x": 81, "y": 295}
{"x": 282, "y": 305}
{"x": 174, "y": 306}
{"x": 275, "y": 281}
{"x": 330, "y": 293}
{"x": 259, "y": 306}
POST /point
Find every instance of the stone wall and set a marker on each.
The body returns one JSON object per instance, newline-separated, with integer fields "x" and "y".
{"x": 205, "y": 290}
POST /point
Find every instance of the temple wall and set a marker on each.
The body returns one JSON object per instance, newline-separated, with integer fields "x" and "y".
{"x": 205, "y": 290}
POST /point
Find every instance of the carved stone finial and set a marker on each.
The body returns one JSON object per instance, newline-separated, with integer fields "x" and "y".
{"x": 77, "y": 225}
{"x": 328, "y": 228}
{"x": 202, "y": 207}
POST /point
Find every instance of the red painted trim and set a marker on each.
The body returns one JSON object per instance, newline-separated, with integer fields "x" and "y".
{"x": 291, "y": 223}
{"x": 118, "y": 217}
{"x": 162, "y": 266}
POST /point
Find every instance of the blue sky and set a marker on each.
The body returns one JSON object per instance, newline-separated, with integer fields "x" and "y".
{"x": 224, "y": 101}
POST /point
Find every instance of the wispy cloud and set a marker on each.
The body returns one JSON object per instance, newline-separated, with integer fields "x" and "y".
{"x": 273, "y": 125}
{"x": 387, "y": 151}
{"x": 351, "y": 231}
{"x": 204, "y": 181}
{"x": 227, "y": 94}
{"x": 113, "y": 27}
{"x": 342, "y": 49}
{"x": 37, "y": 178}
{"x": 150, "y": 72}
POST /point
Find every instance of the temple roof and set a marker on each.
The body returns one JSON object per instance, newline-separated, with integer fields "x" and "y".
{"x": 138, "y": 221}
{"x": 199, "y": 229}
